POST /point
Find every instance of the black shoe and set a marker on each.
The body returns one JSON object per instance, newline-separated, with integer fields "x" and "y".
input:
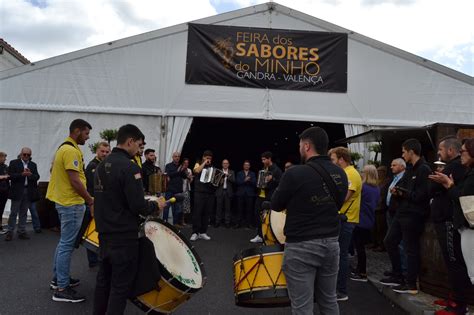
{"x": 38, "y": 231}
{"x": 23, "y": 236}
{"x": 388, "y": 273}
{"x": 68, "y": 295}
{"x": 227, "y": 225}
{"x": 355, "y": 276}
{"x": 342, "y": 296}
{"x": 392, "y": 281}
{"x": 237, "y": 226}
{"x": 53, "y": 285}
{"x": 405, "y": 288}
{"x": 217, "y": 225}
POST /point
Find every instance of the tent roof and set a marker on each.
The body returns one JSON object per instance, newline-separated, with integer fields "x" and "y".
{"x": 220, "y": 18}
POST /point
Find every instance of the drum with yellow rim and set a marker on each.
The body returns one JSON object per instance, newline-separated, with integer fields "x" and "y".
{"x": 258, "y": 278}
{"x": 182, "y": 272}
{"x": 273, "y": 223}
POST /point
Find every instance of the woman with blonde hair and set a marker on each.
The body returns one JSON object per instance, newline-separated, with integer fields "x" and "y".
{"x": 362, "y": 232}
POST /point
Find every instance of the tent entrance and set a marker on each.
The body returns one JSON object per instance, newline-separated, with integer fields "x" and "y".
{"x": 246, "y": 139}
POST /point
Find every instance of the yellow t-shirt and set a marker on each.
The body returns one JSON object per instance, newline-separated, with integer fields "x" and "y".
{"x": 60, "y": 189}
{"x": 355, "y": 185}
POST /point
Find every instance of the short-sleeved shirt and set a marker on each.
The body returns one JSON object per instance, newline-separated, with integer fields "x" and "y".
{"x": 68, "y": 158}
{"x": 353, "y": 204}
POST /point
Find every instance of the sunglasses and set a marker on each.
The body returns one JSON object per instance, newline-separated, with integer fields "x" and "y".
{"x": 26, "y": 154}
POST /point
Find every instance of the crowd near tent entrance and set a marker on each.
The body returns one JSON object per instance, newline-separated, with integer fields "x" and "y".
{"x": 246, "y": 139}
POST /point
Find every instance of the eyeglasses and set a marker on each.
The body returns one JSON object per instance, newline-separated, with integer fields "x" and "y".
{"x": 26, "y": 154}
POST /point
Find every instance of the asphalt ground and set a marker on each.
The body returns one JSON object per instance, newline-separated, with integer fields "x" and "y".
{"x": 26, "y": 270}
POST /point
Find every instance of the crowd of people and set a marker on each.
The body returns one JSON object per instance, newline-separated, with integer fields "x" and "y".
{"x": 332, "y": 210}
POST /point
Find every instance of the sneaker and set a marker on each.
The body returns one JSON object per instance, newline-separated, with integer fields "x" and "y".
{"x": 204, "y": 236}
{"x": 53, "y": 285}
{"x": 405, "y": 288}
{"x": 23, "y": 236}
{"x": 342, "y": 296}
{"x": 256, "y": 239}
{"x": 8, "y": 236}
{"x": 68, "y": 295}
{"x": 358, "y": 277}
{"x": 194, "y": 237}
{"x": 392, "y": 281}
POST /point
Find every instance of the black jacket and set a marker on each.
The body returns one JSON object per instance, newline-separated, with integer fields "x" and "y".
{"x": 175, "y": 185}
{"x": 17, "y": 181}
{"x": 464, "y": 188}
{"x": 442, "y": 206}
{"x": 276, "y": 173}
{"x": 119, "y": 197}
{"x": 311, "y": 210}
{"x": 415, "y": 182}
{"x": 4, "y": 183}
{"x": 90, "y": 171}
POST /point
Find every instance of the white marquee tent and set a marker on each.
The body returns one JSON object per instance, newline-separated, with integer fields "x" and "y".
{"x": 140, "y": 80}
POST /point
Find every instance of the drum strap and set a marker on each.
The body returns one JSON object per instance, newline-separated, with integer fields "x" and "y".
{"x": 328, "y": 180}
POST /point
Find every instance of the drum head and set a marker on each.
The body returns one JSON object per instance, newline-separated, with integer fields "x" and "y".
{"x": 277, "y": 224}
{"x": 176, "y": 257}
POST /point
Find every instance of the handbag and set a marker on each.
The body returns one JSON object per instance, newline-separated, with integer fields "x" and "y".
{"x": 332, "y": 188}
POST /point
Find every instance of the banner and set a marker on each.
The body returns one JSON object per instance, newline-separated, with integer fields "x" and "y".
{"x": 266, "y": 58}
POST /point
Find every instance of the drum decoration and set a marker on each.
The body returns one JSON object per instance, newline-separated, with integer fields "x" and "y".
{"x": 182, "y": 272}
{"x": 258, "y": 278}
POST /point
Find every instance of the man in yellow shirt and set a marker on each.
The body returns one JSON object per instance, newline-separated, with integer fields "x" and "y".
{"x": 67, "y": 189}
{"x": 350, "y": 210}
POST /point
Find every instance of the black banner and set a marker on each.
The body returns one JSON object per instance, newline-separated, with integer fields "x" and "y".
{"x": 266, "y": 58}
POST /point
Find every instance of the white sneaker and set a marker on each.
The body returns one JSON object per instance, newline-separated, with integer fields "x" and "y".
{"x": 194, "y": 237}
{"x": 204, "y": 236}
{"x": 256, "y": 239}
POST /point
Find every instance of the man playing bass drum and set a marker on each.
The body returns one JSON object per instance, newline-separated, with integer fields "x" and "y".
{"x": 119, "y": 200}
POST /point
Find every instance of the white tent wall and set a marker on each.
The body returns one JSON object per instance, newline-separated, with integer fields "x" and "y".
{"x": 44, "y": 131}
{"x": 172, "y": 140}
{"x": 144, "y": 75}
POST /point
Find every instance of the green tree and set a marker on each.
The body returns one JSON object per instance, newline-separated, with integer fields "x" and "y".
{"x": 109, "y": 135}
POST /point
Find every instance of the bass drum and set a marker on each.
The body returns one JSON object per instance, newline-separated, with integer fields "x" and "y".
{"x": 273, "y": 223}
{"x": 182, "y": 272}
{"x": 258, "y": 278}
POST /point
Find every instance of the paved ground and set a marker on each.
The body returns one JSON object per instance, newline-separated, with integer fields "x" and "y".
{"x": 25, "y": 271}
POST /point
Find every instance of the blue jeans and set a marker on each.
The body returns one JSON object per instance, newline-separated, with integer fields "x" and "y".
{"x": 401, "y": 246}
{"x": 34, "y": 217}
{"x": 345, "y": 240}
{"x": 71, "y": 219}
{"x": 312, "y": 266}
{"x": 19, "y": 208}
{"x": 175, "y": 207}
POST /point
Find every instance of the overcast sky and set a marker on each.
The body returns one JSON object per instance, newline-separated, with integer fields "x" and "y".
{"x": 442, "y": 31}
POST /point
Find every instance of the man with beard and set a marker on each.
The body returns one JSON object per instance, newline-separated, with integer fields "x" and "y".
{"x": 67, "y": 189}
{"x": 312, "y": 193}
{"x": 149, "y": 168}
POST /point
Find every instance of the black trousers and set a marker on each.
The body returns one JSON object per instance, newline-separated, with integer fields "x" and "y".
{"x": 450, "y": 242}
{"x": 245, "y": 211}
{"x": 409, "y": 229}
{"x": 116, "y": 276}
{"x": 361, "y": 237}
{"x": 203, "y": 205}
{"x": 258, "y": 215}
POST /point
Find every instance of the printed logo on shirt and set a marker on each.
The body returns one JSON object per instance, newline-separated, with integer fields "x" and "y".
{"x": 76, "y": 163}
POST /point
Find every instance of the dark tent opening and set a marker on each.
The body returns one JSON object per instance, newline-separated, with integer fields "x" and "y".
{"x": 246, "y": 139}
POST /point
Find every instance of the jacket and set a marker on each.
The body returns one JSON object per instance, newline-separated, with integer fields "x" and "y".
{"x": 246, "y": 188}
{"x": 119, "y": 198}
{"x": 276, "y": 173}
{"x": 230, "y": 185}
{"x": 90, "y": 171}
{"x": 442, "y": 206}
{"x": 176, "y": 176}
{"x": 312, "y": 212}
{"x": 4, "y": 183}
{"x": 17, "y": 181}
{"x": 415, "y": 199}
